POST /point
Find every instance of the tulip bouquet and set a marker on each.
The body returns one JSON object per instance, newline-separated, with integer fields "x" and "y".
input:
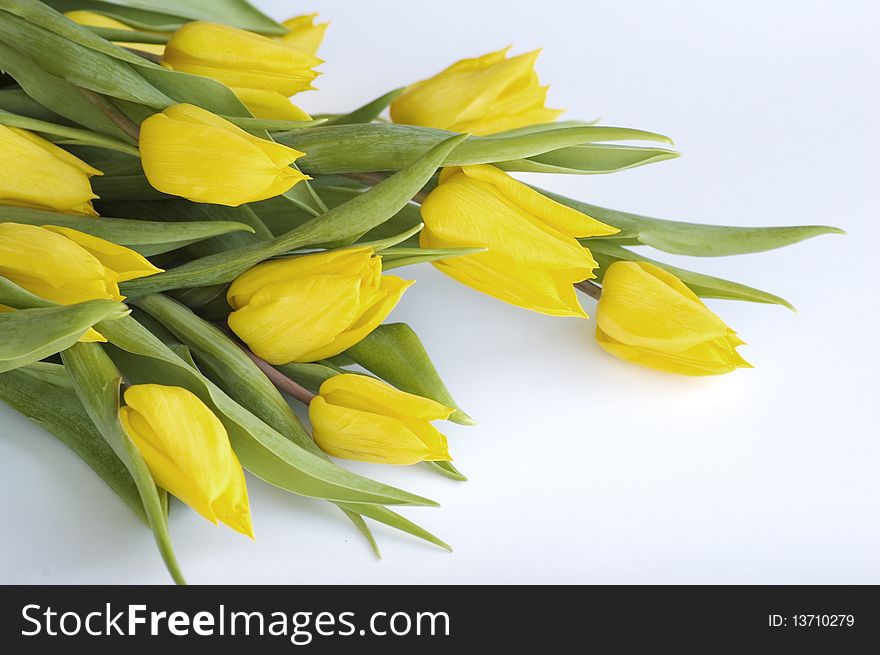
{"x": 185, "y": 252}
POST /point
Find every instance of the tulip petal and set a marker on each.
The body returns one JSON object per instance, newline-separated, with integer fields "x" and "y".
{"x": 710, "y": 358}
{"x": 639, "y": 307}
{"x": 126, "y": 263}
{"x": 304, "y": 33}
{"x": 565, "y": 219}
{"x": 285, "y": 321}
{"x": 52, "y": 266}
{"x": 364, "y": 436}
{"x": 270, "y": 105}
{"x": 36, "y": 173}
{"x": 369, "y": 394}
{"x": 239, "y": 58}
{"x": 370, "y": 315}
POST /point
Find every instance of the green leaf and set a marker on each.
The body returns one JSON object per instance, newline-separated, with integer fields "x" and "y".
{"x": 395, "y": 520}
{"x": 696, "y": 239}
{"x": 55, "y": 93}
{"x": 76, "y": 54}
{"x": 30, "y": 335}
{"x": 97, "y": 382}
{"x": 368, "y": 112}
{"x": 395, "y": 353}
{"x": 44, "y": 393}
{"x": 589, "y": 159}
{"x": 372, "y": 147}
{"x": 16, "y": 101}
{"x": 79, "y": 64}
{"x": 605, "y": 252}
{"x": 262, "y": 450}
{"x": 447, "y": 469}
{"x": 344, "y": 223}
{"x": 237, "y": 13}
{"x": 146, "y": 237}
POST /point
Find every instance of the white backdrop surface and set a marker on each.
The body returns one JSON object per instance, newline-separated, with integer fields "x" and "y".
{"x": 584, "y": 469}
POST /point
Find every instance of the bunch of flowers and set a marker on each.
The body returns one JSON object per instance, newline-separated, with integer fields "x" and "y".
{"x": 184, "y": 252}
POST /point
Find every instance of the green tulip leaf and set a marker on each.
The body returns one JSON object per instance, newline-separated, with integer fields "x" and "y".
{"x": 395, "y": 353}
{"x": 97, "y": 383}
{"x": 589, "y": 159}
{"x": 44, "y": 393}
{"x": 30, "y": 335}
{"x": 373, "y": 147}
{"x": 696, "y": 239}
{"x": 238, "y": 13}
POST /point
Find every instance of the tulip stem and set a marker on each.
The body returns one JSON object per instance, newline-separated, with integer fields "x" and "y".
{"x": 280, "y": 380}
{"x": 375, "y": 178}
{"x": 110, "y": 110}
{"x": 592, "y": 289}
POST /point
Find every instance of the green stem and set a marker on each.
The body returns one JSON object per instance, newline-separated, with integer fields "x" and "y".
{"x": 591, "y": 289}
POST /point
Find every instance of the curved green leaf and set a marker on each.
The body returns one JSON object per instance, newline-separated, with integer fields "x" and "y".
{"x": 30, "y": 335}
{"x": 372, "y": 147}
{"x": 395, "y": 353}
{"x": 696, "y": 239}
{"x": 589, "y": 160}
{"x": 368, "y": 112}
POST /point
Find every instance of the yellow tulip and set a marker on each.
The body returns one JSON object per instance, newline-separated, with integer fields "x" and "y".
{"x": 38, "y": 174}
{"x": 359, "y": 417}
{"x": 189, "y": 152}
{"x": 304, "y": 33}
{"x": 648, "y": 316}
{"x": 93, "y": 19}
{"x": 271, "y": 105}
{"x": 533, "y": 257}
{"x": 310, "y": 307}
{"x": 483, "y": 95}
{"x": 188, "y": 453}
{"x": 240, "y": 59}
{"x": 67, "y": 266}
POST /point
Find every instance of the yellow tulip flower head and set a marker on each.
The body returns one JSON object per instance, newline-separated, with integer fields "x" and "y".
{"x": 240, "y": 59}
{"x": 362, "y": 418}
{"x": 648, "y": 316}
{"x": 483, "y": 95}
{"x": 304, "y": 33}
{"x": 67, "y": 266}
{"x": 189, "y": 152}
{"x": 310, "y": 307}
{"x": 94, "y": 19}
{"x": 38, "y": 174}
{"x": 533, "y": 257}
{"x": 188, "y": 453}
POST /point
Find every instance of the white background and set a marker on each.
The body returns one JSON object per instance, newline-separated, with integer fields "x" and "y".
{"x": 583, "y": 468}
